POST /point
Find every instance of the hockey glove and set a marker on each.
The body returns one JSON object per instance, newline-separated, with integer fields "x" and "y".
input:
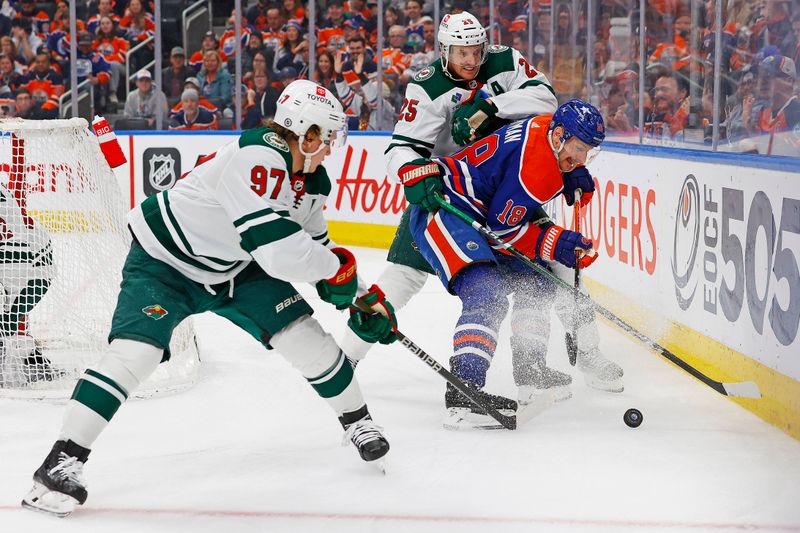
{"x": 379, "y": 326}
{"x": 422, "y": 182}
{"x": 341, "y": 288}
{"x": 565, "y": 246}
{"x": 578, "y": 178}
{"x": 472, "y": 120}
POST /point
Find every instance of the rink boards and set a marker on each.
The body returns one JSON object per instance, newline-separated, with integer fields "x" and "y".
{"x": 699, "y": 251}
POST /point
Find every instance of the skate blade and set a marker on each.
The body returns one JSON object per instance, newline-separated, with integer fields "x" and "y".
{"x": 379, "y": 465}
{"x": 461, "y": 418}
{"x": 537, "y": 404}
{"x": 615, "y": 385}
{"x": 44, "y": 500}
{"x": 557, "y": 394}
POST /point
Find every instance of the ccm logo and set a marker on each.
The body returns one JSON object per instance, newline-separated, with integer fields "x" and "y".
{"x": 287, "y": 302}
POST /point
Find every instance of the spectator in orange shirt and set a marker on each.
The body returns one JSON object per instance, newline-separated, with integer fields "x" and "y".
{"x": 192, "y": 116}
{"x": 137, "y": 24}
{"x": 61, "y": 18}
{"x": 293, "y": 10}
{"x": 114, "y": 49}
{"x": 43, "y": 82}
{"x": 273, "y": 34}
{"x": 208, "y": 43}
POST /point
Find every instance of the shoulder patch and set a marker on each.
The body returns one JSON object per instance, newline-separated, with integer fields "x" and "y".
{"x": 276, "y": 141}
{"x": 497, "y": 48}
{"x": 425, "y": 73}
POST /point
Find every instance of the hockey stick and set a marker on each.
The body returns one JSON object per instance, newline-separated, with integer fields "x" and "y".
{"x": 572, "y": 340}
{"x": 508, "y": 422}
{"x": 744, "y": 389}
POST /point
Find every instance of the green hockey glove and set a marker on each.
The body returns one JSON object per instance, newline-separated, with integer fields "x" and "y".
{"x": 341, "y": 288}
{"x": 422, "y": 181}
{"x": 379, "y": 326}
{"x": 472, "y": 120}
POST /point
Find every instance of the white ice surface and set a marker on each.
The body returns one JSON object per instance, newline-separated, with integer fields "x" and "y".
{"x": 252, "y": 448}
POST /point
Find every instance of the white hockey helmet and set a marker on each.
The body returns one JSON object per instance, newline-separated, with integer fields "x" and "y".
{"x": 461, "y": 29}
{"x": 303, "y": 104}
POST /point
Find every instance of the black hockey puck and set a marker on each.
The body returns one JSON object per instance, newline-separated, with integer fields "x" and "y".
{"x": 633, "y": 418}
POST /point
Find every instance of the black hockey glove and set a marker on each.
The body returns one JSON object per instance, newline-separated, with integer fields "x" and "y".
{"x": 472, "y": 120}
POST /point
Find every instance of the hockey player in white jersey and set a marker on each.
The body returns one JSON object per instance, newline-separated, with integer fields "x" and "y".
{"x": 26, "y": 270}
{"x": 230, "y": 238}
{"x": 472, "y": 90}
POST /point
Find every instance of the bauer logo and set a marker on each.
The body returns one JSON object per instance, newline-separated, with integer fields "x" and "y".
{"x": 684, "y": 248}
{"x": 162, "y": 166}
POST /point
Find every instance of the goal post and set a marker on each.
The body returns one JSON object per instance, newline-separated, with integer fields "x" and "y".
{"x": 63, "y": 242}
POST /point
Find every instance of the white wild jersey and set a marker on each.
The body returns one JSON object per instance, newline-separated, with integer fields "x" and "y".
{"x": 21, "y": 240}
{"x": 424, "y": 126}
{"x": 241, "y": 204}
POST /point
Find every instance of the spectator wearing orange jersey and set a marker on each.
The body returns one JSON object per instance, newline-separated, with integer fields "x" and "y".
{"x": 670, "y": 113}
{"x": 273, "y": 35}
{"x": 193, "y": 83}
{"x": 675, "y": 54}
{"x": 105, "y": 8}
{"x": 114, "y": 50}
{"x": 192, "y": 116}
{"x": 227, "y": 41}
{"x": 209, "y": 42}
{"x": 43, "y": 82}
{"x": 60, "y": 20}
{"x": 257, "y": 15}
{"x": 291, "y": 9}
{"x": 137, "y": 24}
{"x": 355, "y": 9}
{"x": 39, "y": 19}
{"x": 331, "y": 33}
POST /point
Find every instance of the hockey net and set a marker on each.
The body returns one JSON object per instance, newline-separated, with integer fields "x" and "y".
{"x": 63, "y": 242}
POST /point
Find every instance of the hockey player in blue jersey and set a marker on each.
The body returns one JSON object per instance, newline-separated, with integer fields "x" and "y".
{"x": 502, "y": 181}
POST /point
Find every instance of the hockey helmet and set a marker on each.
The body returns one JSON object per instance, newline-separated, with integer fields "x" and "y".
{"x": 579, "y": 119}
{"x": 303, "y": 104}
{"x": 461, "y": 29}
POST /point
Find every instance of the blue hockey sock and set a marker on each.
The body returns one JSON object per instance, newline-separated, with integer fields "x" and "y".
{"x": 484, "y": 305}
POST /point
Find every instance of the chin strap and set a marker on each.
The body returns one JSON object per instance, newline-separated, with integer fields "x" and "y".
{"x": 308, "y": 155}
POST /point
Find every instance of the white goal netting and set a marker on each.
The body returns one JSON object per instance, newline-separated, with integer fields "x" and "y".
{"x": 63, "y": 241}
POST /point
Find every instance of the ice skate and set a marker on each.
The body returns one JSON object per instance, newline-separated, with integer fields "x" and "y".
{"x": 366, "y": 436}
{"x": 463, "y": 414}
{"x": 532, "y": 375}
{"x": 600, "y": 373}
{"x": 58, "y": 484}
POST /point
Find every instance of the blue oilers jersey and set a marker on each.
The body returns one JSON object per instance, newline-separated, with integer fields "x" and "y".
{"x": 504, "y": 178}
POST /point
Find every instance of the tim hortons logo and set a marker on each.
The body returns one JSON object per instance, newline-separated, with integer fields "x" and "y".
{"x": 367, "y": 194}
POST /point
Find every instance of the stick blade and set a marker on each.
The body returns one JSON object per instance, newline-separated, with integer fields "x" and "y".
{"x": 743, "y": 389}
